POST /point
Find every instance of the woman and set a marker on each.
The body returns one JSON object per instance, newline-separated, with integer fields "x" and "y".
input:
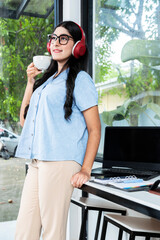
{"x": 61, "y": 134}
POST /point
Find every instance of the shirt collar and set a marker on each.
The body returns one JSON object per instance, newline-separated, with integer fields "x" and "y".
{"x": 63, "y": 75}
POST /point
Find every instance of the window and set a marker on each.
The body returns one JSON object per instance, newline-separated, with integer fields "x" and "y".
{"x": 126, "y": 62}
{"x": 20, "y": 40}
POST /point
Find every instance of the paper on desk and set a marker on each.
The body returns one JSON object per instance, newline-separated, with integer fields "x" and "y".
{"x": 125, "y": 185}
{"x": 132, "y": 185}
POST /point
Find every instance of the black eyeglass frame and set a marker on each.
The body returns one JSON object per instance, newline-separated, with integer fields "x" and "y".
{"x": 50, "y": 36}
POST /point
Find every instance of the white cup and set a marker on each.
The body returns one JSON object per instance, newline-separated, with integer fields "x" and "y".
{"x": 42, "y": 62}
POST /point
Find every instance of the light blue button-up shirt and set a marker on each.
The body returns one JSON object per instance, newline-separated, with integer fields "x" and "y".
{"x": 46, "y": 135}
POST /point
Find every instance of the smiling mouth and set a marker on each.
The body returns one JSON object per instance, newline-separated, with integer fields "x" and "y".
{"x": 57, "y": 51}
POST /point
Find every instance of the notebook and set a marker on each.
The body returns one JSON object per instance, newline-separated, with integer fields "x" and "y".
{"x": 129, "y": 183}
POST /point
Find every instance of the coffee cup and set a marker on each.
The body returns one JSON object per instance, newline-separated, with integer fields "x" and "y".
{"x": 42, "y": 62}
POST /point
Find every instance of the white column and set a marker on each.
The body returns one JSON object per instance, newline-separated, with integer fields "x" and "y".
{"x": 72, "y": 10}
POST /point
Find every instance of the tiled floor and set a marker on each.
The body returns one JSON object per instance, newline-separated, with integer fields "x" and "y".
{"x": 7, "y": 230}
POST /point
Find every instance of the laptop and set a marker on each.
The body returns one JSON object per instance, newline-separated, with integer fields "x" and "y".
{"x": 130, "y": 151}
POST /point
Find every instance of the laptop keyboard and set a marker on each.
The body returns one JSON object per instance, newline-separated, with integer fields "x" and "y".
{"x": 115, "y": 172}
{"x": 129, "y": 171}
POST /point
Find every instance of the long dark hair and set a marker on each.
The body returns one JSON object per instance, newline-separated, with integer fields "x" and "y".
{"x": 75, "y": 66}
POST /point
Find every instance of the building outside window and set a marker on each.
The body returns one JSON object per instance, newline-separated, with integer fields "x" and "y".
{"x": 126, "y": 62}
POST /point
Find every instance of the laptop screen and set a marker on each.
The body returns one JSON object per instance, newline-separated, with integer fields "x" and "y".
{"x": 133, "y": 147}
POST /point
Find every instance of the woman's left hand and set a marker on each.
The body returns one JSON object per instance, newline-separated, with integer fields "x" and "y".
{"x": 80, "y": 178}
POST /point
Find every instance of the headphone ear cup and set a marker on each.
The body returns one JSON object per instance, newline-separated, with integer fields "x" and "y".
{"x": 48, "y": 47}
{"x": 79, "y": 49}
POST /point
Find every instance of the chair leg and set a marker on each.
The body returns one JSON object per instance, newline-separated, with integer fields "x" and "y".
{"x": 120, "y": 234}
{"x": 132, "y": 237}
{"x": 147, "y": 238}
{"x": 98, "y": 224}
{"x": 104, "y": 229}
{"x": 83, "y": 232}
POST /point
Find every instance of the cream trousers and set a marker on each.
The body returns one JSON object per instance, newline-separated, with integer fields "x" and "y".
{"x": 45, "y": 200}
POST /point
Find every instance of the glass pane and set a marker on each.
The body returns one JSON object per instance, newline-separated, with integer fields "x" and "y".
{"x": 10, "y": 4}
{"x": 39, "y": 7}
{"x": 127, "y": 61}
{"x": 20, "y": 40}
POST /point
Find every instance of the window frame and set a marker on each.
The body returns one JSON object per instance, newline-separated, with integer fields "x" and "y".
{"x": 58, "y": 12}
{"x": 87, "y": 25}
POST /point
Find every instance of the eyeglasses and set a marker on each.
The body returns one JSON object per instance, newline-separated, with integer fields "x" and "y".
{"x": 63, "y": 38}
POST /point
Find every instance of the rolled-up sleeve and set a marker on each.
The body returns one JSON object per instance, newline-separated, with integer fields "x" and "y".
{"x": 85, "y": 94}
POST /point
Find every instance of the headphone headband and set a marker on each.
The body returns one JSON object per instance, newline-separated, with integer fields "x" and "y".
{"x": 83, "y": 34}
{"x": 79, "y": 48}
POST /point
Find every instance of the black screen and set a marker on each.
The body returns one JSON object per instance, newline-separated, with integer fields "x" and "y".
{"x": 134, "y": 147}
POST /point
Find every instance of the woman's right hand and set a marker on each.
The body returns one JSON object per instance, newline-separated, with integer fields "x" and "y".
{"x": 32, "y": 72}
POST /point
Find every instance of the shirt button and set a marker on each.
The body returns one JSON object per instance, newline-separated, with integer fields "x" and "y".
{"x": 33, "y": 120}
{"x": 39, "y": 93}
{"x": 29, "y": 148}
{"x": 32, "y": 134}
{"x": 35, "y": 106}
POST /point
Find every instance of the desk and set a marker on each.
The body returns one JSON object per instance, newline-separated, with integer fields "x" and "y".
{"x": 140, "y": 201}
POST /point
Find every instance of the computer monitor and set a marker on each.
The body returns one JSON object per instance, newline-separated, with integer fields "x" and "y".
{"x": 132, "y": 147}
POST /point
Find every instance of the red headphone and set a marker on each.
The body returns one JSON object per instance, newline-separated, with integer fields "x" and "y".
{"x": 79, "y": 47}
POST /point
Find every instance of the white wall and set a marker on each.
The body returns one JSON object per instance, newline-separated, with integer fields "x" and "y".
{"x": 71, "y": 10}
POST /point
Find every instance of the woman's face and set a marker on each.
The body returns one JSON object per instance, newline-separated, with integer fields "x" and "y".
{"x": 61, "y": 53}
